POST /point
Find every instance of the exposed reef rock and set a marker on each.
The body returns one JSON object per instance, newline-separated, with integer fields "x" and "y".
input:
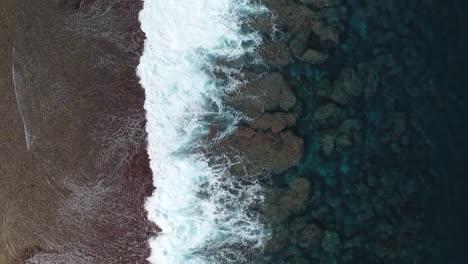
{"x": 275, "y": 122}
{"x": 268, "y": 104}
{"x": 268, "y": 93}
{"x": 276, "y": 54}
{"x": 263, "y": 151}
{"x": 263, "y": 143}
{"x": 300, "y": 25}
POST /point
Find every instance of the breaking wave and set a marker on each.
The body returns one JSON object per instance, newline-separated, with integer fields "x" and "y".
{"x": 202, "y": 209}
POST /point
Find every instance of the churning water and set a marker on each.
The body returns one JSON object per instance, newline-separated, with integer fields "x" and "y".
{"x": 201, "y": 209}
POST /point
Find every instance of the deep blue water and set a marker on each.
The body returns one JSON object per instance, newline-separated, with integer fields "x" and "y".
{"x": 393, "y": 189}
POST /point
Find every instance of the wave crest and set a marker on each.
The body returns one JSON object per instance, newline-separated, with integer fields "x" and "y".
{"x": 203, "y": 210}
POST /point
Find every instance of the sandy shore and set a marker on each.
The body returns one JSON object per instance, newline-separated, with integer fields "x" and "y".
{"x": 77, "y": 194}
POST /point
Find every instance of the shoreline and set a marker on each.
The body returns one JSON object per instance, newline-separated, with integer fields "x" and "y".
{"x": 346, "y": 137}
{"x": 87, "y": 119}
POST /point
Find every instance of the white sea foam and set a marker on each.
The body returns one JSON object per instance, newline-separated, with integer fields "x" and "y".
{"x": 201, "y": 209}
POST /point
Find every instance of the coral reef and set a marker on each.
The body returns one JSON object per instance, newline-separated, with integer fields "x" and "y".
{"x": 369, "y": 89}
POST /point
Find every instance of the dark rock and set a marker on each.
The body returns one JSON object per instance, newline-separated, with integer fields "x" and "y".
{"x": 295, "y": 18}
{"x": 278, "y": 241}
{"x": 269, "y": 93}
{"x": 349, "y": 133}
{"x": 276, "y": 215}
{"x": 289, "y": 200}
{"x": 296, "y": 195}
{"x": 394, "y": 127}
{"x": 371, "y": 78}
{"x": 264, "y": 151}
{"x": 325, "y": 112}
{"x": 383, "y": 230}
{"x": 324, "y": 88}
{"x": 321, "y": 3}
{"x": 298, "y": 44}
{"x": 310, "y": 236}
{"x": 347, "y": 86}
{"x": 276, "y": 54}
{"x": 276, "y": 122}
{"x": 327, "y": 143}
{"x": 327, "y": 35}
{"x": 354, "y": 242}
{"x": 314, "y": 56}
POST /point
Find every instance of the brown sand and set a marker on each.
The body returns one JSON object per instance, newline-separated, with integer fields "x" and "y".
{"x": 76, "y": 196}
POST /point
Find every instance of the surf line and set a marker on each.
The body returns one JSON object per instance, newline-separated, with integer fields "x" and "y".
{"x": 202, "y": 219}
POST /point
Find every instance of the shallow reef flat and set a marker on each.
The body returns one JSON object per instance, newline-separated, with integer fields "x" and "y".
{"x": 75, "y": 173}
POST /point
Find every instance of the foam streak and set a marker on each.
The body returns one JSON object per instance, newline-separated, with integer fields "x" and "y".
{"x": 202, "y": 218}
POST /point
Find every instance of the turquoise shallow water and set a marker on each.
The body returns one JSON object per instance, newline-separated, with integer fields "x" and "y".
{"x": 387, "y": 166}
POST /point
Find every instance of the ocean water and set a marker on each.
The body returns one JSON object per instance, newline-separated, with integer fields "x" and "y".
{"x": 382, "y": 179}
{"x": 392, "y": 189}
{"x": 200, "y": 208}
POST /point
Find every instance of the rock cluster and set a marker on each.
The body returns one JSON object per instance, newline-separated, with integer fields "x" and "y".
{"x": 350, "y": 199}
{"x": 266, "y": 138}
{"x": 270, "y": 93}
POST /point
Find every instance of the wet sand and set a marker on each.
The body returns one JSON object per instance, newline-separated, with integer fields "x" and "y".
{"x": 76, "y": 196}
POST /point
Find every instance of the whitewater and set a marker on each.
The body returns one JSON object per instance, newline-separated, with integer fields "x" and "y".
{"x": 201, "y": 209}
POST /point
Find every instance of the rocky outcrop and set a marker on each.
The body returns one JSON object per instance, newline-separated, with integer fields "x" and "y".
{"x": 268, "y": 93}
{"x": 275, "y": 122}
{"x": 266, "y": 140}
{"x": 276, "y": 54}
{"x": 263, "y": 141}
{"x": 262, "y": 151}
{"x": 301, "y": 25}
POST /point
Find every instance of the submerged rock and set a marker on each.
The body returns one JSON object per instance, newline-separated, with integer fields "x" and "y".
{"x": 313, "y": 56}
{"x": 310, "y": 236}
{"x": 327, "y": 36}
{"x": 298, "y": 44}
{"x": 325, "y": 112}
{"x": 327, "y": 143}
{"x": 347, "y": 86}
{"x": 293, "y": 198}
{"x": 349, "y": 133}
{"x": 331, "y": 242}
{"x": 296, "y": 195}
{"x": 321, "y": 3}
